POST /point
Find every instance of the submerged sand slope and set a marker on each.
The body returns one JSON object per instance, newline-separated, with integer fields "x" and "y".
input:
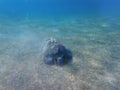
{"x": 95, "y": 44}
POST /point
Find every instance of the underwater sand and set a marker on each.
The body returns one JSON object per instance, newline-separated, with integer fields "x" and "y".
{"x": 95, "y": 42}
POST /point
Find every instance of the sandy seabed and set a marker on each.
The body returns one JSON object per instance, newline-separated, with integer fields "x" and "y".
{"x": 95, "y": 43}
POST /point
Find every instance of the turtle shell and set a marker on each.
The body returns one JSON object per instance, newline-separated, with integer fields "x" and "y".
{"x": 57, "y": 53}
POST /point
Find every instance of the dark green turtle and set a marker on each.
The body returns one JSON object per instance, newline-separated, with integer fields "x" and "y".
{"x": 56, "y": 53}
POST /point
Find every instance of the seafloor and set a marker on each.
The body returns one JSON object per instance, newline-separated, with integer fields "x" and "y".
{"x": 94, "y": 41}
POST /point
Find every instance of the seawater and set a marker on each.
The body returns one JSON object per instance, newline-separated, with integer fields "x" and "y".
{"x": 92, "y": 34}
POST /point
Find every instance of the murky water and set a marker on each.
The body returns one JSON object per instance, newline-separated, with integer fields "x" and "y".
{"x": 94, "y": 41}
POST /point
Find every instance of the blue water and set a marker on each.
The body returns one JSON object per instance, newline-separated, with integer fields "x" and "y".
{"x": 58, "y": 7}
{"x": 89, "y": 28}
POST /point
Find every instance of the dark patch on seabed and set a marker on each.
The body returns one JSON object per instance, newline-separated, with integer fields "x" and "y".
{"x": 94, "y": 41}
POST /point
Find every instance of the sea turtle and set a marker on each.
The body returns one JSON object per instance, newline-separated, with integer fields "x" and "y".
{"x": 56, "y": 53}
